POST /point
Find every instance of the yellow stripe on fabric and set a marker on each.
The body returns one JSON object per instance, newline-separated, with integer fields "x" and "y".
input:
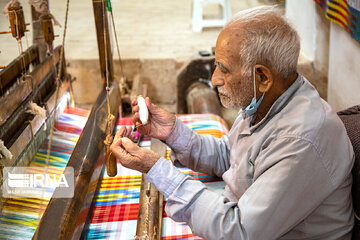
{"x": 31, "y": 205}
{"x": 343, "y": 20}
{"x": 120, "y": 177}
{"x": 117, "y": 188}
{"x": 343, "y": 3}
{"x": 105, "y": 199}
{"x": 112, "y": 195}
{"x": 215, "y": 133}
{"x": 120, "y": 184}
{"x": 122, "y": 180}
{"x": 336, "y": 21}
{"x": 338, "y": 8}
{"x": 31, "y": 223}
{"x": 34, "y": 200}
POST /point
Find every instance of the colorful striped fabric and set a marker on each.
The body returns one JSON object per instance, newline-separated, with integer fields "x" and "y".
{"x": 20, "y": 216}
{"x": 115, "y": 208}
{"x": 345, "y": 13}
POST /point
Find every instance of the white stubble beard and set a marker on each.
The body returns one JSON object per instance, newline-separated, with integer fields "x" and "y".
{"x": 239, "y": 100}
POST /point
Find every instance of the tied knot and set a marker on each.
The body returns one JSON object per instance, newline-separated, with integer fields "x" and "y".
{"x": 108, "y": 140}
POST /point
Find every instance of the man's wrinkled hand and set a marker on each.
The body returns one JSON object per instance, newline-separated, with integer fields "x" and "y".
{"x": 160, "y": 123}
{"x": 132, "y": 156}
{"x": 125, "y": 131}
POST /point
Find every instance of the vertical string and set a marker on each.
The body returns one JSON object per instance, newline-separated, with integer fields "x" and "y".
{"x": 56, "y": 95}
{"x": 110, "y": 116}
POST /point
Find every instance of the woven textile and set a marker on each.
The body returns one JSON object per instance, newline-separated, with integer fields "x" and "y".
{"x": 20, "y": 216}
{"x": 115, "y": 209}
{"x": 345, "y": 13}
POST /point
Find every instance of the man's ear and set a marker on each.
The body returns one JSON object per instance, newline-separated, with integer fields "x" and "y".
{"x": 264, "y": 78}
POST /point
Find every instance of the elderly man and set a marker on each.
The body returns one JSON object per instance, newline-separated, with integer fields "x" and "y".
{"x": 286, "y": 162}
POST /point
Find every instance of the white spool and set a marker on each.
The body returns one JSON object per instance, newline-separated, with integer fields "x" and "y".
{"x": 143, "y": 110}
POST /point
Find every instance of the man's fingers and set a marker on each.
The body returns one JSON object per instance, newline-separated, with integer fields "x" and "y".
{"x": 147, "y": 102}
{"x": 119, "y": 152}
{"x": 136, "y": 119}
{"x": 134, "y": 102}
{"x": 135, "y": 109}
{"x": 116, "y": 144}
{"x": 133, "y": 136}
{"x": 128, "y": 131}
{"x": 119, "y": 133}
{"x": 129, "y": 145}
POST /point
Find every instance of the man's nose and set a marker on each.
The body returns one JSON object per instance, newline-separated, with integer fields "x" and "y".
{"x": 217, "y": 79}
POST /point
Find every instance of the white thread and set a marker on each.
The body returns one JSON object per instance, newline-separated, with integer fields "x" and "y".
{"x": 35, "y": 109}
{"x": 4, "y": 151}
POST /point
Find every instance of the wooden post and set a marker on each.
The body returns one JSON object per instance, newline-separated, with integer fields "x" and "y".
{"x": 149, "y": 221}
{"x": 102, "y": 33}
{"x": 38, "y": 36}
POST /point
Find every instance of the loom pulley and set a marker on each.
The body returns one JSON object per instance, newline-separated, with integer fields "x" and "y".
{"x": 17, "y": 21}
{"x": 47, "y": 27}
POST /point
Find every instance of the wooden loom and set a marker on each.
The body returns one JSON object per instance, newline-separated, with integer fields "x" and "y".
{"x": 20, "y": 130}
{"x": 62, "y": 215}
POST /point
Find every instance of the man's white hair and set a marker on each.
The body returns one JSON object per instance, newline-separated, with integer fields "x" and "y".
{"x": 268, "y": 39}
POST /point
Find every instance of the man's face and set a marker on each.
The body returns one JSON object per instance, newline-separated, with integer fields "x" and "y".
{"x": 235, "y": 87}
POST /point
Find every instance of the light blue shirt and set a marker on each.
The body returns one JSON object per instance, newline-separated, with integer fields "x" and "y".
{"x": 287, "y": 177}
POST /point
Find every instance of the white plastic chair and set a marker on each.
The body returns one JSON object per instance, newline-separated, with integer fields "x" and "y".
{"x": 198, "y": 23}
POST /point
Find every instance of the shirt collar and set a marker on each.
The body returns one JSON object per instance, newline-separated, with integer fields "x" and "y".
{"x": 278, "y": 105}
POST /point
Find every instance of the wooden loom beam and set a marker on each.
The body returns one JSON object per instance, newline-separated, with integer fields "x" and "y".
{"x": 102, "y": 33}
{"x": 11, "y": 101}
{"x": 10, "y": 74}
{"x": 36, "y": 87}
{"x": 61, "y": 215}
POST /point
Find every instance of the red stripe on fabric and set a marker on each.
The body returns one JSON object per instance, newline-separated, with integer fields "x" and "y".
{"x": 68, "y": 129}
{"x": 125, "y": 212}
{"x": 117, "y": 179}
{"x": 57, "y": 146}
{"x": 125, "y": 121}
{"x": 53, "y": 149}
{"x": 122, "y": 186}
{"x": 77, "y": 111}
{"x": 121, "y": 182}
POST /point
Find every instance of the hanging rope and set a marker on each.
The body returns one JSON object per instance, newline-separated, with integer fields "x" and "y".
{"x": 58, "y": 82}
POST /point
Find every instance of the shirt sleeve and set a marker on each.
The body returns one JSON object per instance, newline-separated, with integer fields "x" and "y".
{"x": 202, "y": 153}
{"x": 268, "y": 209}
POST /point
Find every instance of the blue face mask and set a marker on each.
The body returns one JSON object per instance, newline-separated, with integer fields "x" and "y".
{"x": 254, "y": 105}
